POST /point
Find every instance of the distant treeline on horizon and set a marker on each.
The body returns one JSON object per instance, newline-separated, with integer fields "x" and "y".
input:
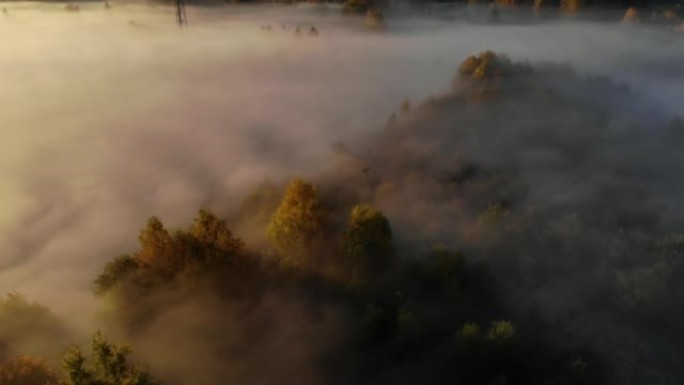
{"x": 383, "y": 3}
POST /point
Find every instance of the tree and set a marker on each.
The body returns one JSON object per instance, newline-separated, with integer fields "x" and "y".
{"x": 493, "y": 216}
{"x": 205, "y": 254}
{"x": 29, "y": 328}
{"x": 115, "y": 272}
{"x": 298, "y": 223}
{"x": 631, "y": 15}
{"x": 367, "y": 244}
{"x": 375, "y": 19}
{"x": 209, "y": 243}
{"x": 27, "y": 371}
{"x": 469, "y": 332}
{"x": 110, "y": 366}
{"x": 502, "y": 333}
{"x": 155, "y": 244}
{"x": 537, "y": 6}
{"x": 210, "y": 230}
{"x": 217, "y": 241}
{"x": 570, "y": 7}
{"x": 485, "y": 65}
{"x": 356, "y": 6}
{"x": 449, "y": 268}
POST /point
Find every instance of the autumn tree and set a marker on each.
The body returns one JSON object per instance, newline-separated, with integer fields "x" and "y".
{"x": 570, "y": 7}
{"x": 298, "y": 224}
{"x": 155, "y": 246}
{"x": 366, "y": 244}
{"x": 482, "y": 77}
{"x": 109, "y": 366}
{"x": 494, "y": 215}
{"x": 484, "y": 65}
{"x": 207, "y": 247}
{"x": 449, "y": 268}
{"x": 27, "y": 370}
{"x": 631, "y": 15}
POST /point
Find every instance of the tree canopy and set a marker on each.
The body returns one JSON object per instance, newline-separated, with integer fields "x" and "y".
{"x": 367, "y": 244}
{"x": 27, "y": 370}
{"x": 298, "y": 224}
{"x": 109, "y": 365}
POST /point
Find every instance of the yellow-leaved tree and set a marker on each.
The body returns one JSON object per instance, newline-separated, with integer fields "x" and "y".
{"x": 298, "y": 224}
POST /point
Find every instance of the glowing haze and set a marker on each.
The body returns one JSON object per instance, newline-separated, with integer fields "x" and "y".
{"x": 109, "y": 117}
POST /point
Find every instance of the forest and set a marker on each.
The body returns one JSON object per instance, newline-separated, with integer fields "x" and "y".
{"x": 433, "y": 200}
{"x": 320, "y": 288}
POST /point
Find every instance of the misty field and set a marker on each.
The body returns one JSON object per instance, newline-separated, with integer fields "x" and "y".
{"x": 290, "y": 194}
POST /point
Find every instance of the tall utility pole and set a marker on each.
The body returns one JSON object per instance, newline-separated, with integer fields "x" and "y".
{"x": 180, "y": 13}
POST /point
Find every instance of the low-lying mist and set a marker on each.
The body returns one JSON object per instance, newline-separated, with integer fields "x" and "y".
{"x": 111, "y": 116}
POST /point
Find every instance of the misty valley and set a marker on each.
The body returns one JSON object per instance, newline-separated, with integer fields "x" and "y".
{"x": 354, "y": 192}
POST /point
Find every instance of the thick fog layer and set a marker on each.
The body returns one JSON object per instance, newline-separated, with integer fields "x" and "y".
{"x": 111, "y": 116}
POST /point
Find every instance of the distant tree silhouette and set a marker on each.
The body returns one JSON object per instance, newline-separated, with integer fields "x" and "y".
{"x": 631, "y": 15}
{"x": 155, "y": 247}
{"x": 356, "y": 6}
{"x": 570, "y": 7}
{"x": 375, "y": 19}
{"x": 405, "y": 106}
{"x": 27, "y": 370}
{"x": 206, "y": 252}
{"x": 115, "y": 272}
{"x": 29, "y": 328}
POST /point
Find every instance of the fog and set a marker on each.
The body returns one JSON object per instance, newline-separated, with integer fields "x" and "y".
{"x": 111, "y": 116}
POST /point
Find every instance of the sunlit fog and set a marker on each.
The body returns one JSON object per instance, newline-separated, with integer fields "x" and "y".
{"x": 367, "y": 192}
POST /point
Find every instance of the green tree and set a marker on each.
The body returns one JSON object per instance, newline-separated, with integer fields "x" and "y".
{"x": 570, "y": 7}
{"x": 356, "y": 6}
{"x": 375, "y": 19}
{"x": 367, "y": 244}
{"x": 205, "y": 254}
{"x": 298, "y": 224}
{"x": 502, "y": 333}
{"x": 469, "y": 332}
{"x": 449, "y": 268}
{"x": 110, "y": 366}
{"x": 210, "y": 230}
